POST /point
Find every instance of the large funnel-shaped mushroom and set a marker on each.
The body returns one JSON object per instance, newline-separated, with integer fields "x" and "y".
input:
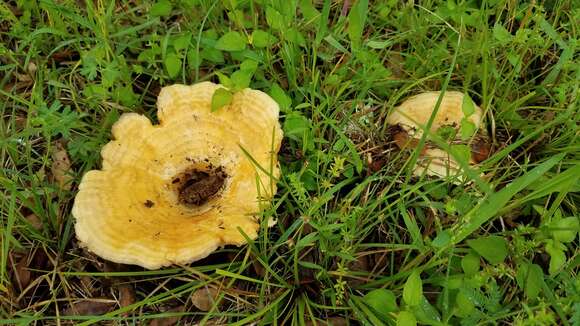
{"x": 174, "y": 192}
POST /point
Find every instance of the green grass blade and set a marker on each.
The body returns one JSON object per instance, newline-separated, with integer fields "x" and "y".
{"x": 495, "y": 202}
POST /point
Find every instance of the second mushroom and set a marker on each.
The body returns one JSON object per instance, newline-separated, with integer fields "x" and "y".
{"x": 455, "y": 111}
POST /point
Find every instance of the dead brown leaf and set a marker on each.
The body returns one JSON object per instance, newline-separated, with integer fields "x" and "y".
{"x": 168, "y": 321}
{"x": 90, "y": 307}
{"x": 126, "y": 295}
{"x": 480, "y": 149}
{"x": 204, "y": 298}
{"x": 375, "y": 165}
{"x": 61, "y": 166}
{"x": 18, "y": 86}
{"x": 23, "y": 274}
{"x": 34, "y": 221}
{"x": 20, "y": 122}
{"x": 403, "y": 140}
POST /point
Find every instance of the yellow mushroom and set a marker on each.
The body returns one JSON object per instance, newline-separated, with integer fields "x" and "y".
{"x": 173, "y": 193}
{"x": 412, "y": 117}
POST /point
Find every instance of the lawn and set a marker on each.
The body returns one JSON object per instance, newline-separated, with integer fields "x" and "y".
{"x": 359, "y": 239}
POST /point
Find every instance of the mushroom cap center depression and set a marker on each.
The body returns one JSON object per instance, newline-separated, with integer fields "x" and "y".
{"x": 197, "y": 186}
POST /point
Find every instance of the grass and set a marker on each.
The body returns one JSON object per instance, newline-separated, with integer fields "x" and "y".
{"x": 358, "y": 240}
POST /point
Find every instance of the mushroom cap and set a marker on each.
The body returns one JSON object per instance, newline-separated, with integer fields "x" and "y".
{"x": 415, "y": 112}
{"x": 130, "y": 211}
